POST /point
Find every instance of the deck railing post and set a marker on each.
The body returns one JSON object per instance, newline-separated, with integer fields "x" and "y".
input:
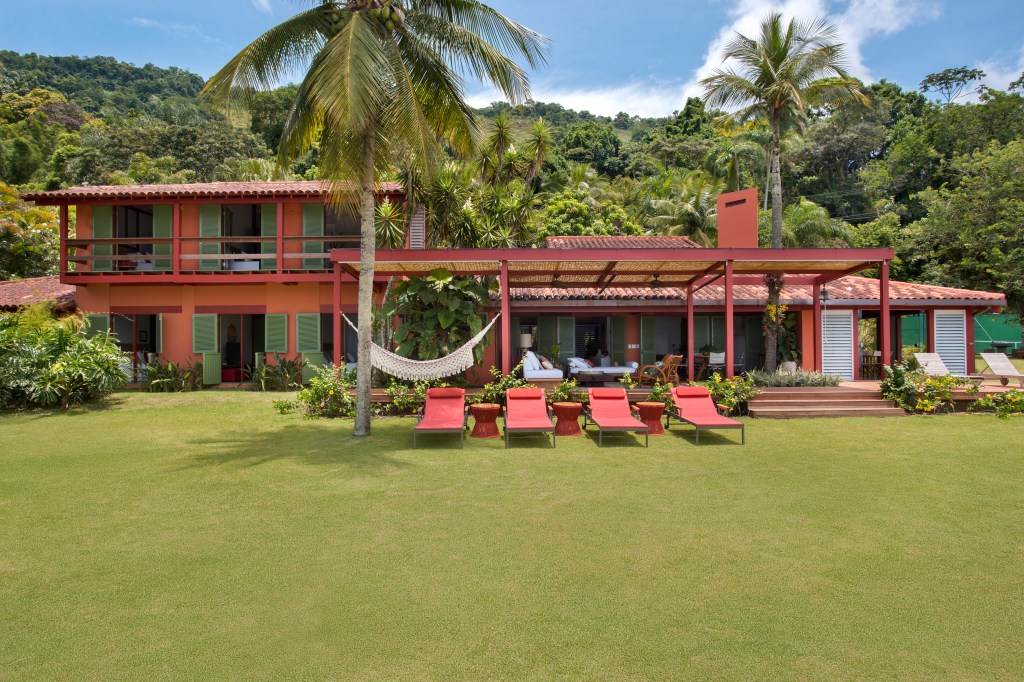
{"x": 506, "y": 322}
{"x": 690, "y": 360}
{"x": 335, "y": 314}
{"x": 885, "y": 341}
{"x": 817, "y": 350}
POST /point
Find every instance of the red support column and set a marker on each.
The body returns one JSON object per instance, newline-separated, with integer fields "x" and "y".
{"x": 730, "y": 342}
{"x": 969, "y": 320}
{"x": 929, "y": 332}
{"x": 885, "y": 338}
{"x": 856, "y": 344}
{"x": 689, "y": 334}
{"x": 176, "y": 238}
{"x": 280, "y": 241}
{"x": 335, "y": 313}
{"x": 506, "y": 323}
{"x": 63, "y": 240}
{"x": 818, "y": 364}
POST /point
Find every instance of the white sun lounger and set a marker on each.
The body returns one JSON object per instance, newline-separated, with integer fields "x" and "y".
{"x": 933, "y": 365}
{"x": 1001, "y": 368}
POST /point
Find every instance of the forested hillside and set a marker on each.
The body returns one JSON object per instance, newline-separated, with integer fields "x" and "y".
{"x": 939, "y": 181}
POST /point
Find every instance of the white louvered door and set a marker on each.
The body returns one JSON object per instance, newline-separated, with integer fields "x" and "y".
{"x": 951, "y": 339}
{"x": 837, "y": 343}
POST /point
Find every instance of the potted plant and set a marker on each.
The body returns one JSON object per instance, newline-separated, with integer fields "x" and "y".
{"x": 567, "y": 402}
{"x": 651, "y": 410}
{"x": 487, "y": 403}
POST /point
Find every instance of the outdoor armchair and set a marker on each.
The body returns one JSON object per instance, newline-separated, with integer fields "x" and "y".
{"x": 665, "y": 371}
{"x": 527, "y": 411}
{"x": 693, "y": 405}
{"x": 609, "y": 409}
{"x": 444, "y": 411}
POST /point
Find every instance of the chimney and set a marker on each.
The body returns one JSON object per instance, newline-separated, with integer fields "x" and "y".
{"x": 737, "y": 219}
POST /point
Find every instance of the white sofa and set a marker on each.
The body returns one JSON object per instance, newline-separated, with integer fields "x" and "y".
{"x": 576, "y": 364}
{"x": 533, "y": 370}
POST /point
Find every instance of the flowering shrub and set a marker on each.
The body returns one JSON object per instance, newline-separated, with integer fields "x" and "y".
{"x": 567, "y": 392}
{"x": 661, "y": 393}
{"x": 916, "y": 391}
{"x": 1004, "y": 404}
{"x": 407, "y": 398}
{"x": 730, "y": 393}
{"x": 494, "y": 391}
{"x": 328, "y": 393}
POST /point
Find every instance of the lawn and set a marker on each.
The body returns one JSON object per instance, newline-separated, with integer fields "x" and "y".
{"x": 205, "y": 537}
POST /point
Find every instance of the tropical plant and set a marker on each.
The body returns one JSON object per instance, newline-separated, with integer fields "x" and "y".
{"x": 1003, "y": 404}
{"x": 328, "y": 393}
{"x": 29, "y": 239}
{"x": 170, "y": 377}
{"x": 246, "y": 170}
{"x": 916, "y": 391}
{"x": 797, "y": 378}
{"x": 692, "y": 209}
{"x": 390, "y": 225}
{"x": 382, "y": 79}
{"x": 660, "y": 393}
{"x": 493, "y": 392}
{"x": 730, "y": 393}
{"x": 283, "y": 375}
{"x": 787, "y": 68}
{"x": 808, "y": 225}
{"x": 566, "y": 392}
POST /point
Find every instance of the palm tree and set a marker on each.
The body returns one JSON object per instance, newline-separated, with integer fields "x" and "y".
{"x": 808, "y": 225}
{"x": 537, "y": 148}
{"x": 691, "y": 211}
{"x": 383, "y": 78}
{"x": 783, "y": 71}
{"x": 246, "y": 170}
{"x": 725, "y": 159}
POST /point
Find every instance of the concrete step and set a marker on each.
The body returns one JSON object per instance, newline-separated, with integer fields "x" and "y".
{"x": 824, "y": 411}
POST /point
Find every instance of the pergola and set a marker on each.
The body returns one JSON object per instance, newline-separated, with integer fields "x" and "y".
{"x": 690, "y": 269}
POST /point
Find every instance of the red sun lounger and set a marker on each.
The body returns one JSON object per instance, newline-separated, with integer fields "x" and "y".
{"x": 694, "y": 406}
{"x": 443, "y": 412}
{"x": 609, "y": 409}
{"x": 526, "y": 411}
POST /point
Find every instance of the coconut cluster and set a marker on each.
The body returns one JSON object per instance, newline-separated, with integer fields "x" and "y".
{"x": 390, "y": 15}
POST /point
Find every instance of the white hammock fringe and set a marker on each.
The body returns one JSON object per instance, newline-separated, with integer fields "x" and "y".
{"x": 423, "y": 370}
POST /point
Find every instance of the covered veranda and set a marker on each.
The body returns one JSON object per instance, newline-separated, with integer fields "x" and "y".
{"x": 687, "y": 269}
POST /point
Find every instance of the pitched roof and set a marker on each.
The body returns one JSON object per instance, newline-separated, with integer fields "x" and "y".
{"x": 622, "y": 242}
{"x": 297, "y": 188}
{"x": 21, "y": 292}
{"x": 842, "y": 289}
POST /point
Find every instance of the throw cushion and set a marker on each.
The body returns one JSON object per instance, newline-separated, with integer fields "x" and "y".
{"x": 531, "y": 361}
{"x": 546, "y": 364}
{"x": 577, "y": 362}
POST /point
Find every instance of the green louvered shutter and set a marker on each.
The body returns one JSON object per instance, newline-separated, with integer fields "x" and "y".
{"x": 514, "y": 327}
{"x": 311, "y": 363}
{"x": 204, "y": 333}
{"x": 99, "y": 324}
{"x": 701, "y": 332}
{"x": 307, "y": 333}
{"x": 268, "y": 228}
{"x": 718, "y": 332}
{"x": 211, "y": 368}
{"x": 545, "y": 334}
{"x": 754, "y": 332}
{"x": 102, "y": 228}
{"x": 276, "y": 333}
{"x": 617, "y": 339}
{"x": 209, "y": 226}
{"x": 163, "y": 228}
{"x": 158, "y": 333}
{"x": 313, "y": 226}
{"x": 566, "y": 338}
{"x": 648, "y": 334}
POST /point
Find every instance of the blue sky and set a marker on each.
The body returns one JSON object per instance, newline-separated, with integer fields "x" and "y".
{"x": 605, "y": 57}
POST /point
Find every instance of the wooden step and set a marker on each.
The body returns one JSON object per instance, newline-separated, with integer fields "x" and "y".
{"x": 869, "y": 401}
{"x": 815, "y": 393}
{"x": 825, "y": 411}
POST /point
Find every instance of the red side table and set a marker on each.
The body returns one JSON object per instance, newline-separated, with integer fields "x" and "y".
{"x": 485, "y": 420}
{"x": 568, "y": 423}
{"x": 650, "y": 414}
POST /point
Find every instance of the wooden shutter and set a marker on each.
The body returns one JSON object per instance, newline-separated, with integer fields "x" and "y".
{"x": 210, "y": 226}
{"x": 313, "y": 226}
{"x": 701, "y": 332}
{"x": 545, "y": 334}
{"x": 307, "y": 333}
{"x": 617, "y": 339}
{"x": 211, "y": 368}
{"x": 268, "y": 228}
{"x": 837, "y": 343}
{"x": 276, "y": 333}
{"x": 163, "y": 228}
{"x": 311, "y": 363}
{"x": 102, "y": 228}
{"x": 951, "y": 339}
{"x": 566, "y": 337}
{"x": 204, "y": 333}
{"x": 98, "y": 324}
{"x": 158, "y": 333}
{"x": 648, "y": 337}
{"x": 718, "y": 332}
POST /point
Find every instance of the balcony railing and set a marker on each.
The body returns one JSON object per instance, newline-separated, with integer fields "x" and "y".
{"x": 205, "y": 254}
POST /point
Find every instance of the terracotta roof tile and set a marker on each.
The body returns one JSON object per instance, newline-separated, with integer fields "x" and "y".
{"x": 845, "y": 288}
{"x": 623, "y": 242}
{"x": 298, "y": 188}
{"x": 21, "y": 292}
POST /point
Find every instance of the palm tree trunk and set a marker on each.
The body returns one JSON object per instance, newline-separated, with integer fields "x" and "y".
{"x": 367, "y": 255}
{"x": 767, "y": 179}
{"x": 774, "y": 282}
{"x": 776, "y": 186}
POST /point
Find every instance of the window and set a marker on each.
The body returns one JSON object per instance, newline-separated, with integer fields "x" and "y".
{"x": 242, "y": 220}
{"x": 340, "y": 223}
{"x": 133, "y": 222}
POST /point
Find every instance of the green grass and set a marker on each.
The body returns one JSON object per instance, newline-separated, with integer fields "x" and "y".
{"x": 205, "y": 537}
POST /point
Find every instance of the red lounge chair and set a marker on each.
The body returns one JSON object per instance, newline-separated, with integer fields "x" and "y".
{"x": 443, "y": 412}
{"x": 609, "y": 409}
{"x": 694, "y": 406}
{"x": 526, "y": 411}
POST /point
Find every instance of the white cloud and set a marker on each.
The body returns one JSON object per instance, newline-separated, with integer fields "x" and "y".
{"x": 1000, "y": 72}
{"x": 187, "y": 31}
{"x": 858, "y": 22}
{"x": 263, "y": 6}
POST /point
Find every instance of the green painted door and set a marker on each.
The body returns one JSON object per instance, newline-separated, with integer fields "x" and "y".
{"x": 313, "y": 226}
{"x": 617, "y": 339}
{"x": 754, "y": 337}
{"x": 701, "y": 332}
{"x": 163, "y": 228}
{"x": 546, "y": 334}
{"x": 268, "y": 228}
{"x": 102, "y": 228}
{"x": 210, "y": 226}
{"x": 204, "y": 342}
{"x": 648, "y": 338}
{"x": 718, "y": 332}
{"x": 566, "y": 338}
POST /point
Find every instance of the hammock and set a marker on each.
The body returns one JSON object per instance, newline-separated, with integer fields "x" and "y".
{"x": 422, "y": 370}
